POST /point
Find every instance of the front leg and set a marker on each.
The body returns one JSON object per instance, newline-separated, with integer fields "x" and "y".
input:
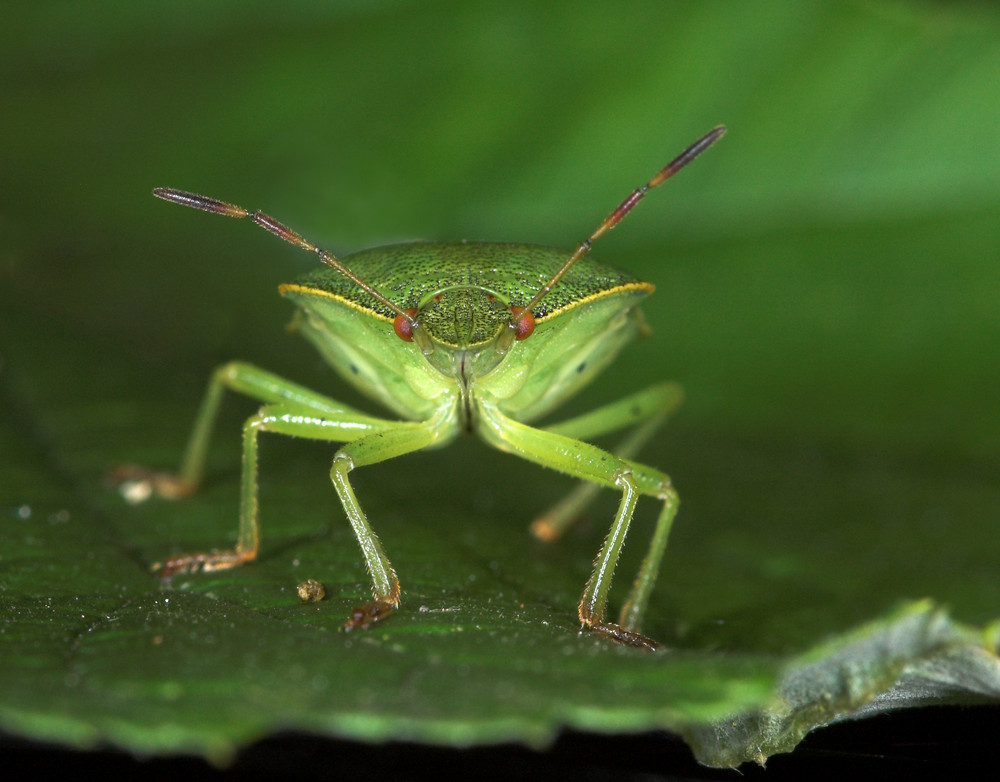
{"x": 290, "y": 418}
{"x": 391, "y": 439}
{"x": 379, "y": 447}
{"x": 647, "y": 410}
{"x": 596, "y": 465}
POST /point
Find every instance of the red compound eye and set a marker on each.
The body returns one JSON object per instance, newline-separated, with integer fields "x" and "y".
{"x": 525, "y": 325}
{"x": 401, "y": 325}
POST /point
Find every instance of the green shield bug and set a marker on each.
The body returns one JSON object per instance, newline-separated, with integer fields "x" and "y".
{"x": 452, "y": 338}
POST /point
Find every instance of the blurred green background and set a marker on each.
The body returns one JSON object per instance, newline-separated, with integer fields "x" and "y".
{"x": 826, "y": 275}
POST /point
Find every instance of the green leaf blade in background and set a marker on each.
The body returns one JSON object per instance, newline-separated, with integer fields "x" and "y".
{"x": 826, "y": 294}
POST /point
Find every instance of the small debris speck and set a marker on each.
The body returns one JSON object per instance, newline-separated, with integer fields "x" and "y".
{"x": 134, "y": 492}
{"x": 311, "y": 591}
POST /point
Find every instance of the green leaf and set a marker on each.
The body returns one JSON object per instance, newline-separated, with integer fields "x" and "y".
{"x": 826, "y": 294}
{"x": 915, "y": 656}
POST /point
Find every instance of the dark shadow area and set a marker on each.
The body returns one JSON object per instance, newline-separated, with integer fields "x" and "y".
{"x": 934, "y": 741}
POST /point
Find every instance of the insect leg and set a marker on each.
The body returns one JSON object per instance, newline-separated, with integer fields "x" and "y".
{"x": 284, "y": 418}
{"x": 642, "y": 480}
{"x": 404, "y": 438}
{"x": 138, "y": 483}
{"x": 649, "y": 409}
{"x": 635, "y": 604}
{"x": 591, "y": 463}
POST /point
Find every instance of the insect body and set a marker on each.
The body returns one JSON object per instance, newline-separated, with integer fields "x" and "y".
{"x": 481, "y": 338}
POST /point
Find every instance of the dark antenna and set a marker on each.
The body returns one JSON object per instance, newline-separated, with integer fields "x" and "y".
{"x": 616, "y": 216}
{"x": 213, "y": 205}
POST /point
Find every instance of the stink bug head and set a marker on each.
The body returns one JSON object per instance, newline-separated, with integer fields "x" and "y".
{"x": 464, "y": 297}
{"x": 474, "y": 337}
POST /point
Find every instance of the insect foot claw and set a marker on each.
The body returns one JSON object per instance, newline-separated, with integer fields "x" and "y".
{"x": 545, "y": 530}
{"x": 625, "y": 637}
{"x": 138, "y": 484}
{"x": 197, "y": 563}
{"x": 364, "y": 615}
